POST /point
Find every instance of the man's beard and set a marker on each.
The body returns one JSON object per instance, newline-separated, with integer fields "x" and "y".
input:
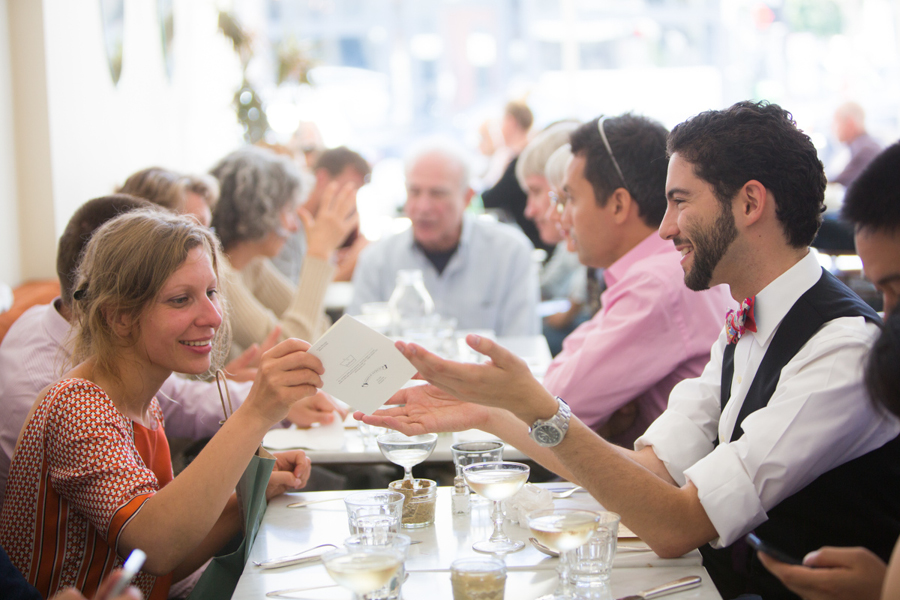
{"x": 709, "y": 248}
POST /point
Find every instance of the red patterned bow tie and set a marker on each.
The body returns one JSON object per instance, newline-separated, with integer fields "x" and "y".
{"x": 736, "y": 323}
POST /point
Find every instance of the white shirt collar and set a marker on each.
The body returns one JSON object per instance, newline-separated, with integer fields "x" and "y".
{"x": 777, "y": 298}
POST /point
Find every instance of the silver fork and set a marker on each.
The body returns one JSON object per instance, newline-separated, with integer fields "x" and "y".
{"x": 294, "y": 559}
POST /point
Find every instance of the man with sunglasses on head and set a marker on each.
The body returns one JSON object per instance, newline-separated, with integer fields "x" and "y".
{"x": 650, "y": 325}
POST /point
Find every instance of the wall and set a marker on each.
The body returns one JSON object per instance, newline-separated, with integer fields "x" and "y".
{"x": 101, "y": 132}
{"x": 10, "y": 271}
{"x": 68, "y": 134}
{"x": 31, "y": 141}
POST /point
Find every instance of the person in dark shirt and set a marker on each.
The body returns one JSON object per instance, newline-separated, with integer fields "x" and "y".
{"x": 14, "y": 587}
{"x": 850, "y": 129}
{"x": 507, "y": 196}
{"x": 872, "y": 206}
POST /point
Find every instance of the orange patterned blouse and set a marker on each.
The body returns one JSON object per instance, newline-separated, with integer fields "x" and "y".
{"x": 80, "y": 472}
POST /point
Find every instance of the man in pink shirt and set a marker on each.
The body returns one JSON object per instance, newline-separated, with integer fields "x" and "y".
{"x": 616, "y": 370}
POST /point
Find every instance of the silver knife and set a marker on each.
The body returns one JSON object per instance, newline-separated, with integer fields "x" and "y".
{"x": 685, "y": 583}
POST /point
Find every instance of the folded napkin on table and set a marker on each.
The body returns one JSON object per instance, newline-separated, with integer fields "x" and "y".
{"x": 530, "y": 498}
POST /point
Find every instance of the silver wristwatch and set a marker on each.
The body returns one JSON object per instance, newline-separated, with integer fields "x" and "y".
{"x": 550, "y": 432}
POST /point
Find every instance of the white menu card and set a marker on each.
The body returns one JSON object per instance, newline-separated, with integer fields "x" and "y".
{"x": 362, "y": 367}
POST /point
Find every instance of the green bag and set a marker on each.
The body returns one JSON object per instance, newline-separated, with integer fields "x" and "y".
{"x": 223, "y": 572}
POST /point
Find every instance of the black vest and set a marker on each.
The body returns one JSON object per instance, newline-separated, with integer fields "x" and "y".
{"x": 855, "y": 504}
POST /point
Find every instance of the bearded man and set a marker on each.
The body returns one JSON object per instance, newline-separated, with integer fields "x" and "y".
{"x": 776, "y": 435}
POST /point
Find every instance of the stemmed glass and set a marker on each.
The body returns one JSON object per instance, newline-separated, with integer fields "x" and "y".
{"x": 406, "y": 451}
{"x": 497, "y": 481}
{"x": 563, "y": 530}
{"x": 364, "y": 569}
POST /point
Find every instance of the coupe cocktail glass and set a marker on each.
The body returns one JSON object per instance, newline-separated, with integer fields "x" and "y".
{"x": 363, "y": 570}
{"x": 469, "y": 453}
{"x": 497, "y": 481}
{"x": 563, "y": 530}
{"x": 406, "y": 451}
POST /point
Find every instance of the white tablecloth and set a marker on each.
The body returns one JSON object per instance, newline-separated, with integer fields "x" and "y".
{"x": 286, "y": 531}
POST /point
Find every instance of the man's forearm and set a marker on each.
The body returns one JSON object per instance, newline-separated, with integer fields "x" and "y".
{"x": 634, "y": 484}
{"x": 637, "y": 485}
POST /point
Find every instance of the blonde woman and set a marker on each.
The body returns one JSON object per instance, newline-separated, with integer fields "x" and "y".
{"x": 91, "y": 477}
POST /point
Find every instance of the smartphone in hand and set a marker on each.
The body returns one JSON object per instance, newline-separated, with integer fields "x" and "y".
{"x": 761, "y": 546}
{"x": 132, "y": 565}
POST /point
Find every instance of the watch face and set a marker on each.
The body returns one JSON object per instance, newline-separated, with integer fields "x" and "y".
{"x": 547, "y": 435}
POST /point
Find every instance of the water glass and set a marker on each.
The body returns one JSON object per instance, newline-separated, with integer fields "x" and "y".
{"x": 478, "y": 578}
{"x": 396, "y": 541}
{"x": 469, "y": 453}
{"x": 590, "y": 565}
{"x": 368, "y": 433}
{"x": 376, "y": 315}
{"x": 443, "y": 338}
{"x": 464, "y": 352}
{"x": 374, "y": 513}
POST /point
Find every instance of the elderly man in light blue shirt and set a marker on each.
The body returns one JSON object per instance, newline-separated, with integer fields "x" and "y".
{"x": 478, "y": 272}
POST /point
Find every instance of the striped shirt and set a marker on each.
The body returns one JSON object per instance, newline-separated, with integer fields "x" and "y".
{"x": 79, "y": 474}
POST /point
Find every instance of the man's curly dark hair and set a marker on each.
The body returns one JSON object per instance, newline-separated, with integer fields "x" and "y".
{"x": 873, "y": 200}
{"x": 761, "y": 141}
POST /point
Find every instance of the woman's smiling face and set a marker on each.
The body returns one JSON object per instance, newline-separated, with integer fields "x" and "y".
{"x": 178, "y": 327}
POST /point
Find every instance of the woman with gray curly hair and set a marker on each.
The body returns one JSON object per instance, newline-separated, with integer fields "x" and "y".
{"x": 255, "y": 214}
{"x": 561, "y": 276}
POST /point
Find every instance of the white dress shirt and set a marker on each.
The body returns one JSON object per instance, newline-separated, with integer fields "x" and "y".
{"x": 489, "y": 283}
{"x": 33, "y": 355}
{"x": 818, "y": 418}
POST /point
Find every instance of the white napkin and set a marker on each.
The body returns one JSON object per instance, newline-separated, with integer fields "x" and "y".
{"x": 318, "y": 437}
{"x": 530, "y": 498}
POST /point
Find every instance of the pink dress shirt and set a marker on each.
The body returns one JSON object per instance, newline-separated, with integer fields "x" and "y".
{"x": 651, "y": 333}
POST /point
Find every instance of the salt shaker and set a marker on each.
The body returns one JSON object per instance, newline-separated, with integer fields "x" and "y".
{"x": 460, "y": 496}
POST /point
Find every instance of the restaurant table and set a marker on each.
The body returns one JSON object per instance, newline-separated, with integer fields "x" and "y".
{"x": 341, "y": 443}
{"x": 286, "y": 531}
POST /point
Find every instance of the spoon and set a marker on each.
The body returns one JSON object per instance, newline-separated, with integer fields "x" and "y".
{"x": 543, "y": 548}
{"x": 566, "y": 493}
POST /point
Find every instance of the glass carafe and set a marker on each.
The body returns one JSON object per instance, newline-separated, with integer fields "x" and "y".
{"x": 411, "y": 306}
